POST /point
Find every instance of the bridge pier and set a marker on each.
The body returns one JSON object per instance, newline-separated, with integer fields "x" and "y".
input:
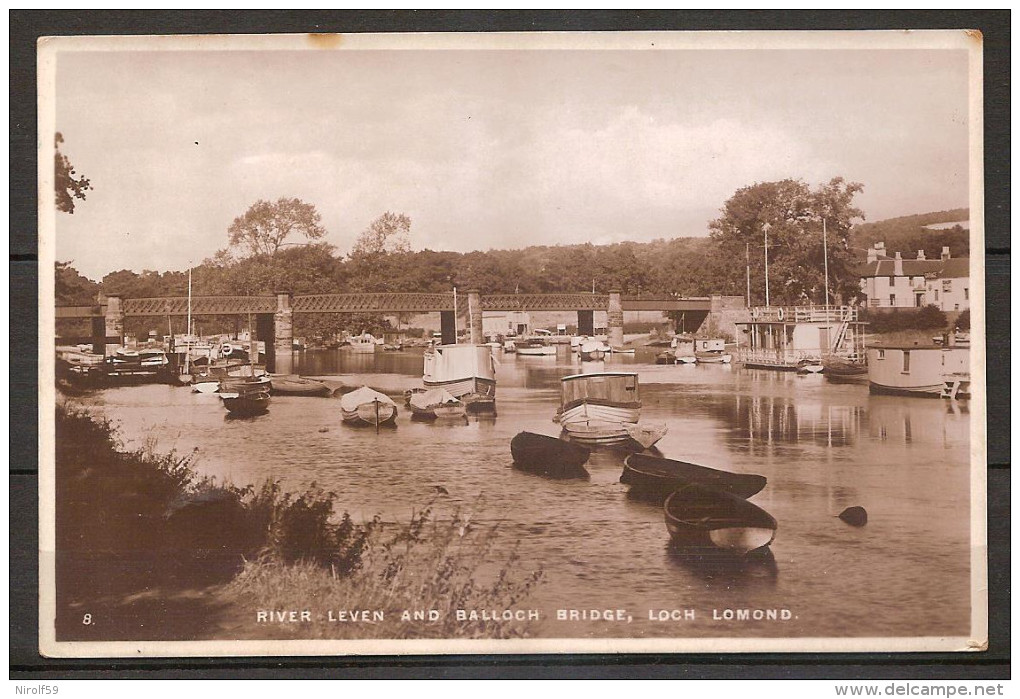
{"x": 475, "y": 336}
{"x": 113, "y": 324}
{"x": 282, "y": 350}
{"x": 586, "y": 323}
{"x": 448, "y": 327}
{"x": 265, "y": 331}
{"x": 615, "y": 321}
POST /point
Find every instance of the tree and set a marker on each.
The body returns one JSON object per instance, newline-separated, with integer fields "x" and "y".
{"x": 67, "y": 186}
{"x": 793, "y": 215}
{"x": 265, "y": 226}
{"x": 388, "y": 233}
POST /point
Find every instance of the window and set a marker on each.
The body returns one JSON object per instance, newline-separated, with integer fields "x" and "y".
{"x": 966, "y": 294}
{"x": 892, "y": 299}
{"x": 892, "y": 281}
{"x": 881, "y": 354}
{"x": 936, "y": 294}
{"x": 906, "y": 361}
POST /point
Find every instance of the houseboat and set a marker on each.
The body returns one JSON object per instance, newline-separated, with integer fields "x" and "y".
{"x": 610, "y": 396}
{"x": 777, "y": 337}
{"x": 467, "y": 372}
{"x": 920, "y": 370}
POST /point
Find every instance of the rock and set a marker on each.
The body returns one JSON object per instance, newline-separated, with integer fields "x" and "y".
{"x": 855, "y": 516}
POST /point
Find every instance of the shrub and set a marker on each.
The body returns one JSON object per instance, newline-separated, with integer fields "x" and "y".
{"x": 963, "y": 321}
{"x": 927, "y": 318}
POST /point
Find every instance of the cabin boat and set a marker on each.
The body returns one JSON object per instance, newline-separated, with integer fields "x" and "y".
{"x": 781, "y": 338}
{"x": 606, "y": 396}
{"x": 363, "y": 344}
{"x": 367, "y": 407}
{"x": 701, "y": 517}
{"x": 920, "y": 370}
{"x": 467, "y": 372}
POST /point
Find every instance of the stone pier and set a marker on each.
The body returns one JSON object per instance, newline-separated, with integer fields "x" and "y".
{"x": 113, "y": 314}
{"x": 475, "y": 336}
{"x": 283, "y": 332}
{"x": 615, "y": 320}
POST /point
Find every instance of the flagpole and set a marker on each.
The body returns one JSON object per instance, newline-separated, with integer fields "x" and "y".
{"x": 825, "y": 251}
{"x": 454, "y": 315}
{"x": 766, "y": 228}
{"x": 747, "y": 256}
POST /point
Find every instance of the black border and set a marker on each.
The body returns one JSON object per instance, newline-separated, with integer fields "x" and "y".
{"x": 25, "y": 662}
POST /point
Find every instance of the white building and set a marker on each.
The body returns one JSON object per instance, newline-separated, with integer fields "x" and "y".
{"x": 893, "y": 282}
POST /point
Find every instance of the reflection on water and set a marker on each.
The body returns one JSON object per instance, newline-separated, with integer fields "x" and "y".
{"x": 823, "y": 447}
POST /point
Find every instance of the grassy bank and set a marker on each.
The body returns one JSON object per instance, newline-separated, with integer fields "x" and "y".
{"x": 148, "y": 549}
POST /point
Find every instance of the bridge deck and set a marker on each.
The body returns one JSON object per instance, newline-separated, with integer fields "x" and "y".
{"x": 382, "y": 303}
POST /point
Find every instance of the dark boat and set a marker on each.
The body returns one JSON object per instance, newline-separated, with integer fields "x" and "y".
{"x": 548, "y": 456}
{"x": 703, "y": 518}
{"x": 656, "y": 474}
{"x": 247, "y": 400}
{"x": 844, "y": 370}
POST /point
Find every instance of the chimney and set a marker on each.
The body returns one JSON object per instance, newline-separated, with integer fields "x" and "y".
{"x": 880, "y": 248}
{"x": 920, "y": 254}
{"x": 872, "y": 254}
{"x": 898, "y": 266}
{"x": 945, "y": 252}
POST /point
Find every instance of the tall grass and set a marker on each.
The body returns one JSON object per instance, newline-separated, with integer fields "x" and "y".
{"x": 430, "y": 563}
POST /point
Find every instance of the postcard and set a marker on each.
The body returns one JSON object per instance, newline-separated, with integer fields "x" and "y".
{"x": 610, "y": 342}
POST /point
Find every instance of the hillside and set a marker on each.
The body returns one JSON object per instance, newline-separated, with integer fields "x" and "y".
{"x": 907, "y": 234}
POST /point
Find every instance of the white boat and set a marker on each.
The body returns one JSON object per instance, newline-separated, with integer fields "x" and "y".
{"x": 536, "y": 349}
{"x": 713, "y": 357}
{"x": 592, "y": 350}
{"x": 509, "y": 347}
{"x": 365, "y": 406}
{"x": 435, "y": 403}
{"x": 597, "y": 432}
{"x": 467, "y": 372}
{"x": 646, "y": 434}
{"x": 685, "y": 358}
{"x": 601, "y": 397}
{"x": 932, "y": 371}
{"x": 621, "y": 350}
{"x": 363, "y": 344}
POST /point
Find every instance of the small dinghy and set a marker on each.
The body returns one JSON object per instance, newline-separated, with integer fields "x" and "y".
{"x": 809, "y": 366}
{"x": 700, "y": 517}
{"x": 434, "y": 404}
{"x": 548, "y": 456}
{"x": 713, "y": 357}
{"x": 367, "y": 407}
{"x": 648, "y": 473}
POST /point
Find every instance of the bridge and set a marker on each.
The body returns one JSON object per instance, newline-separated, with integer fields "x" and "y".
{"x": 274, "y": 315}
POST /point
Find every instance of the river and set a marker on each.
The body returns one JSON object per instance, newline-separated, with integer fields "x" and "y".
{"x": 822, "y": 446}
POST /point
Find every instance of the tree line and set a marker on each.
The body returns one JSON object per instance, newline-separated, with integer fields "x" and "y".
{"x": 278, "y": 245}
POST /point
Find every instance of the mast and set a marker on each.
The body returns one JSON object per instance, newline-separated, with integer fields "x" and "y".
{"x": 189, "y": 338}
{"x": 454, "y": 315}
{"x": 825, "y": 253}
{"x": 747, "y": 256}
{"x": 766, "y": 228}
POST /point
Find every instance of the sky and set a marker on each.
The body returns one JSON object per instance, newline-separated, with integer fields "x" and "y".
{"x": 490, "y": 149}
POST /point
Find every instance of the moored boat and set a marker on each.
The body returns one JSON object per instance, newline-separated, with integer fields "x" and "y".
{"x": 840, "y": 369}
{"x": 548, "y": 456}
{"x": 701, "y": 517}
{"x": 535, "y": 348}
{"x": 246, "y": 400}
{"x": 435, "y": 403}
{"x": 592, "y": 350}
{"x": 654, "y": 473}
{"x": 292, "y": 385}
{"x": 917, "y": 370}
{"x": 467, "y": 372}
{"x": 713, "y": 357}
{"x": 367, "y": 407}
{"x": 597, "y": 432}
{"x": 810, "y": 366}
{"x": 606, "y": 396}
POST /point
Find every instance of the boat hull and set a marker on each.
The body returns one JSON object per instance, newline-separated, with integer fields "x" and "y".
{"x": 646, "y": 435}
{"x": 462, "y": 388}
{"x": 597, "y": 433}
{"x": 548, "y": 456}
{"x": 244, "y": 404}
{"x": 366, "y": 414}
{"x": 536, "y": 351}
{"x": 298, "y": 386}
{"x": 703, "y": 518}
{"x": 643, "y": 472}
{"x": 926, "y": 391}
{"x": 591, "y": 411}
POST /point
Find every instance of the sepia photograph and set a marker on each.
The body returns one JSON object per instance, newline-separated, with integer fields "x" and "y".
{"x": 504, "y": 343}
